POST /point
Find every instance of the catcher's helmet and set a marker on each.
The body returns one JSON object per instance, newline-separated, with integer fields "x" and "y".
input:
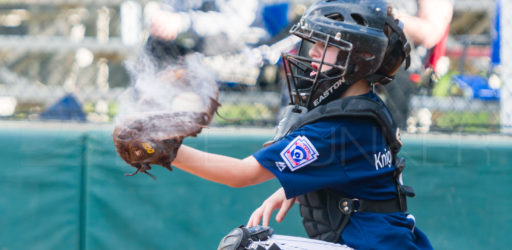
{"x": 371, "y": 45}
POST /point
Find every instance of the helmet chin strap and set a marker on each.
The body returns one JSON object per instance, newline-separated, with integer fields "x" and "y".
{"x": 334, "y": 92}
{"x": 382, "y": 79}
{"x": 327, "y": 88}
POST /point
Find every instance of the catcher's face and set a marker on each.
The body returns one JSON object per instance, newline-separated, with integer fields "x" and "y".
{"x": 316, "y": 53}
{"x": 316, "y": 63}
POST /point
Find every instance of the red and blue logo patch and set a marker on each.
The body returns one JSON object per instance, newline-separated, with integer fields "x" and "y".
{"x": 299, "y": 153}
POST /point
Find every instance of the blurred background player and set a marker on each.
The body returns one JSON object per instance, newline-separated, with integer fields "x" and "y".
{"x": 212, "y": 27}
{"x": 426, "y": 24}
{"x": 217, "y": 22}
{"x": 237, "y": 38}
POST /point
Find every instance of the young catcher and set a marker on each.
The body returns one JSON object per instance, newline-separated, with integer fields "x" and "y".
{"x": 336, "y": 148}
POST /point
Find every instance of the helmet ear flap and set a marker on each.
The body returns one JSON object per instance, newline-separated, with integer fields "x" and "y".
{"x": 396, "y": 52}
{"x": 393, "y": 57}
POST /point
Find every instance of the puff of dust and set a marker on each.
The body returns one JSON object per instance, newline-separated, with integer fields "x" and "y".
{"x": 185, "y": 86}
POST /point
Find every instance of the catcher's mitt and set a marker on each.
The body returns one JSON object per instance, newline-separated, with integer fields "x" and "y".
{"x": 143, "y": 137}
{"x": 155, "y": 139}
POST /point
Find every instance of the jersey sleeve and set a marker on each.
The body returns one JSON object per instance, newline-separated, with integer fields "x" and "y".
{"x": 305, "y": 160}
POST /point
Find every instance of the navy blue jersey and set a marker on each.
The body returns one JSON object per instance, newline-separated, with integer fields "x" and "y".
{"x": 351, "y": 157}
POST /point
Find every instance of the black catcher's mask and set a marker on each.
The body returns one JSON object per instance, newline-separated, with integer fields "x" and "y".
{"x": 371, "y": 46}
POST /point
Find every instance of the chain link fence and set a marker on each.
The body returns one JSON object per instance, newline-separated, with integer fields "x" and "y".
{"x": 467, "y": 89}
{"x": 50, "y": 49}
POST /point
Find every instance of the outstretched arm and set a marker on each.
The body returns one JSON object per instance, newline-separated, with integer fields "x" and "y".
{"x": 221, "y": 169}
{"x": 234, "y": 17}
{"x": 429, "y": 26}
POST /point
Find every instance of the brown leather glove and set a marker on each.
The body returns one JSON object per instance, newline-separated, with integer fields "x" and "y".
{"x": 160, "y": 110}
{"x": 155, "y": 138}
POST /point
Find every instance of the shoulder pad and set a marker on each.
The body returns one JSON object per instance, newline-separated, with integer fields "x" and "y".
{"x": 356, "y": 106}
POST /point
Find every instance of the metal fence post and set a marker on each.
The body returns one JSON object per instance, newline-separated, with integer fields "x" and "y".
{"x": 131, "y": 18}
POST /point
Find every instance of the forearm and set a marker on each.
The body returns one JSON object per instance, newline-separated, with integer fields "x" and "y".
{"x": 221, "y": 169}
{"x": 231, "y": 15}
{"x": 429, "y": 26}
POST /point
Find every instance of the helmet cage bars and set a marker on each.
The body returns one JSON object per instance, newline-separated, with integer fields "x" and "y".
{"x": 299, "y": 69}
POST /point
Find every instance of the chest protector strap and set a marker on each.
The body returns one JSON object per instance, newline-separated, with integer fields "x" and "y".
{"x": 325, "y": 213}
{"x": 357, "y": 107}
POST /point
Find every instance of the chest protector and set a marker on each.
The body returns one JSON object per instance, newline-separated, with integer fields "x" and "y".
{"x": 325, "y": 213}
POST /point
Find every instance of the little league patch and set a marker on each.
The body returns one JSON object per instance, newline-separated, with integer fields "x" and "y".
{"x": 299, "y": 153}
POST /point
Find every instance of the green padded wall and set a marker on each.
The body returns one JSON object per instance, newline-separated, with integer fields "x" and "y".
{"x": 464, "y": 190}
{"x": 40, "y": 189}
{"x": 64, "y": 188}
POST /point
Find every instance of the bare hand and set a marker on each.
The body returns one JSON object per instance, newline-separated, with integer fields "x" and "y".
{"x": 276, "y": 201}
